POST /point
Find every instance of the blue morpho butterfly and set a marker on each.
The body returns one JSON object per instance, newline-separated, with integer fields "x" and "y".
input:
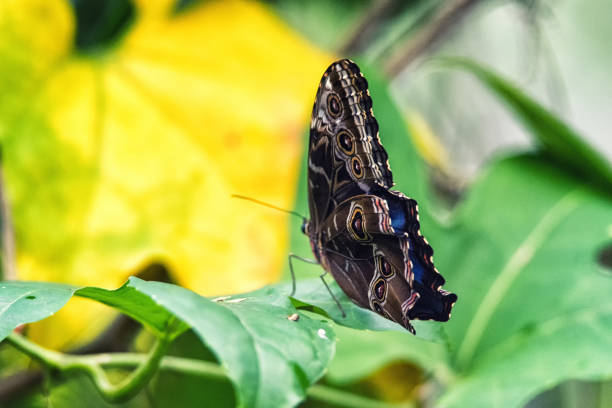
{"x": 367, "y": 236}
{"x": 364, "y": 234}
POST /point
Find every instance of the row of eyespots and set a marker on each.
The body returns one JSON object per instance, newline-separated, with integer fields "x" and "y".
{"x": 344, "y": 140}
{"x": 379, "y": 290}
{"x": 380, "y": 285}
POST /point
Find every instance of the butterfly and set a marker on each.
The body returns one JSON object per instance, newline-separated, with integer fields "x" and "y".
{"x": 361, "y": 232}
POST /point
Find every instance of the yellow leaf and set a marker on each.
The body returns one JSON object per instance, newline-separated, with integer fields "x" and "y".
{"x": 426, "y": 141}
{"x": 117, "y": 160}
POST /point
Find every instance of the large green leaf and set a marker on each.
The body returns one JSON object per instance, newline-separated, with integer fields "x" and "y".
{"x": 554, "y": 136}
{"x": 269, "y": 358}
{"x": 534, "y": 308}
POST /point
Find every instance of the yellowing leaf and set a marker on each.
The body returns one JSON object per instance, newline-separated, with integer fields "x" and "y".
{"x": 117, "y": 160}
{"x": 426, "y": 141}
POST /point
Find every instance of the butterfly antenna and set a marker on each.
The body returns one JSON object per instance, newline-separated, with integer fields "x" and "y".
{"x": 268, "y": 205}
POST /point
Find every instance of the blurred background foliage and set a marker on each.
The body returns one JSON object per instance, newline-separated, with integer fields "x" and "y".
{"x": 122, "y": 151}
{"x": 126, "y": 126}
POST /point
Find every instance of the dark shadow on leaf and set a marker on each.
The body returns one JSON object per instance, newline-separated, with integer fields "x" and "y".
{"x": 604, "y": 258}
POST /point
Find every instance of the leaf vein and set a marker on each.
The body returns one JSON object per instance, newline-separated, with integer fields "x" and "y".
{"x": 517, "y": 262}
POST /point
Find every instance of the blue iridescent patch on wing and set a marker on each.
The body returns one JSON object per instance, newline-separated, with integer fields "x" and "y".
{"x": 398, "y": 216}
{"x": 399, "y": 222}
{"x": 417, "y": 268}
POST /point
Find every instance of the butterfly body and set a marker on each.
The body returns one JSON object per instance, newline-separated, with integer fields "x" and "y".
{"x": 366, "y": 235}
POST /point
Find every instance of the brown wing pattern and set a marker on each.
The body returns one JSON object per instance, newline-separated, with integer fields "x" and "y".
{"x": 365, "y": 235}
{"x": 345, "y": 155}
{"x": 385, "y": 268}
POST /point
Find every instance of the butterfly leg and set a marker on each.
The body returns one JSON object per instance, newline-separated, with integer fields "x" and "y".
{"x": 294, "y": 256}
{"x": 332, "y": 294}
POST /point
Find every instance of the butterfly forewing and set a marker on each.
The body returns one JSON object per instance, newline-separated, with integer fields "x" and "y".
{"x": 365, "y": 235}
{"x": 344, "y": 144}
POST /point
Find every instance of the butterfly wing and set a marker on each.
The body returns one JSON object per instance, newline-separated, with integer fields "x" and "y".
{"x": 345, "y": 155}
{"x": 381, "y": 261}
{"x": 365, "y": 235}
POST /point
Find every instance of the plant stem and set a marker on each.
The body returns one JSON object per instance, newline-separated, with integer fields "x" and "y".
{"x": 168, "y": 363}
{"x": 48, "y": 357}
{"x": 207, "y": 369}
{"x": 441, "y": 24}
{"x": 130, "y": 386}
{"x": 371, "y": 18}
{"x": 341, "y": 398}
{"x": 147, "y": 365}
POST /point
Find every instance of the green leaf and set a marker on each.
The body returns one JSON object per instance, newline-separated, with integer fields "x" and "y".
{"x": 360, "y": 353}
{"x": 555, "y": 137}
{"x": 269, "y": 358}
{"x": 138, "y": 305}
{"x": 534, "y": 309}
{"x": 26, "y": 302}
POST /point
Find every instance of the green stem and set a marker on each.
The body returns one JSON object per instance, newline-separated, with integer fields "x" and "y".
{"x": 49, "y": 358}
{"x": 141, "y": 376}
{"x": 126, "y": 389}
{"x": 168, "y": 363}
{"x": 340, "y": 398}
{"x": 147, "y": 364}
{"x": 329, "y": 395}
